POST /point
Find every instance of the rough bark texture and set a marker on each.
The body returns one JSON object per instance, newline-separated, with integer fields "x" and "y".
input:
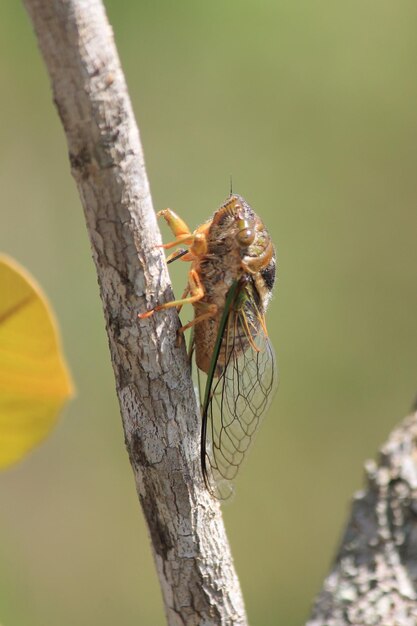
{"x": 374, "y": 579}
{"x": 156, "y": 397}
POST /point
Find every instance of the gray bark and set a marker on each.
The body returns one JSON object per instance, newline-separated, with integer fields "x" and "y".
{"x": 157, "y": 400}
{"x": 373, "y": 581}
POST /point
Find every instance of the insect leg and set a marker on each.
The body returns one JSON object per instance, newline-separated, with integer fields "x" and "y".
{"x": 183, "y": 297}
{"x": 178, "y": 226}
{"x": 187, "y": 239}
{"x": 255, "y": 264}
{"x": 210, "y": 312}
{"x": 195, "y": 288}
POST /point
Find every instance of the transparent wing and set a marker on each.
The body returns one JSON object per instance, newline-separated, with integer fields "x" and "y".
{"x": 241, "y": 389}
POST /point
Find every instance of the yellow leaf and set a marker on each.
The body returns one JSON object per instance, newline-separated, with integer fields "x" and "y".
{"x": 34, "y": 379}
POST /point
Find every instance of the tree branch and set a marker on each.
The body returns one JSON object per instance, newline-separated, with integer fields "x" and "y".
{"x": 374, "y": 578}
{"x": 157, "y": 401}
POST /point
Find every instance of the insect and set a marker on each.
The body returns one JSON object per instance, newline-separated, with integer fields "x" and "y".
{"x": 229, "y": 285}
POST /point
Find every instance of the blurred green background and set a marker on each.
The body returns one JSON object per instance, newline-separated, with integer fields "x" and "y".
{"x": 312, "y": 107}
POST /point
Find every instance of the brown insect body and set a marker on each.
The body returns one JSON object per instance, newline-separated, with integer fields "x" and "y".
{"x": 224, "y": 262}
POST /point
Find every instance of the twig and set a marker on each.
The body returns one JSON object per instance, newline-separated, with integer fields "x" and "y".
{"x": 374, "y": 579}
{"x": 156, "y": 396}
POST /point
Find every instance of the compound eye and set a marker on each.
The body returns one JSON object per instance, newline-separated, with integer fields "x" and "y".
{"x": 246, "y": 236}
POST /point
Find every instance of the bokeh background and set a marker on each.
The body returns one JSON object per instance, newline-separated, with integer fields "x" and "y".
{"x": 311, "y": 106}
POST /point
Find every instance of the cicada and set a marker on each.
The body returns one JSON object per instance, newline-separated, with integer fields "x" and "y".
{"x": 230, "y": 283}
